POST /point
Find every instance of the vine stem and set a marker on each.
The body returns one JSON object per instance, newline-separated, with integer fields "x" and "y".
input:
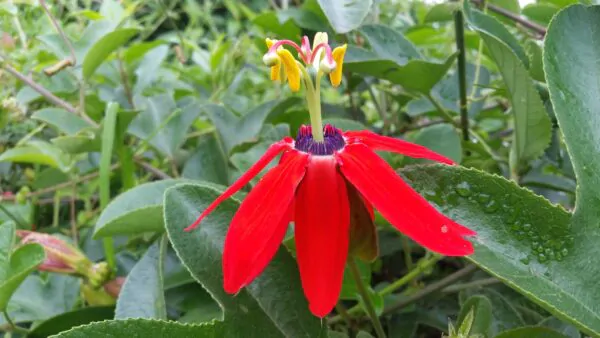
{"x": 14, "y": 327}
{"x": 362, "y": 290}
{"x": 413, "y": 274}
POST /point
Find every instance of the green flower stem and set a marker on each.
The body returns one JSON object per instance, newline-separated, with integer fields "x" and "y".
{"x": 413, "y": 274}
{"x": 313, "y": 98}
{"x": 441, "y": 109}
{"x": 362, "y": 289}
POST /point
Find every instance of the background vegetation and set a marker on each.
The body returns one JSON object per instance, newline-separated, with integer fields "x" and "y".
{"x": 107, "y": 105}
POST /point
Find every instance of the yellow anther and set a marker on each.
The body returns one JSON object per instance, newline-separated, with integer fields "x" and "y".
{"x": 338, "y": 56}
{"x": 291, "y": 68}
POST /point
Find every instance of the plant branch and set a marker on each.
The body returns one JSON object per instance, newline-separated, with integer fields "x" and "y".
{"x": 44, "y": 92}
{"x": 515, "y": 17}
{"x": 61, "y": 32}
{"x": 431, "y": 288}
{"x": 366, "y": 299}
{"x": 153, "y": 170}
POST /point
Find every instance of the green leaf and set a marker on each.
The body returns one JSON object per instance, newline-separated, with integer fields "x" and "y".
{"x": 345, "y": 15}
{"x": 142, "y": 293}
{"x": 84, "y": 142}
{"x": 488, "y": 26}
{"x": 104, "y": 47}
{"x": 236, "y": 130}
{"x": 536, "y": 68}
{"x": 38, "y": 152}
{"x": 161, "y": 123}
{"x": 561, "y": 327}
{"x": 570, "y": 54}
{"x": 38, "y": 299}
{"x": 481, "y": 309}
{"x": 15, "y": 266}
{"x": 531, "y": 332}
{"x": 541, "y": 12}
{"x": 135, "y": 211}
{"x": 209, "y": 162}
{"x": 68, "y": 320}
{"x": 389, "y": 44}
{"x": 273, "y": 303}
{"x": 66, "y": 122}
{"x": 149, "y": 328}
{"x": 441, "y": 138}
{"x": 442, "y": 12}
{"x": 416, "y": 75}
{"x": 521, "y": 238}
{"x": 271, "y": 23}
{"x": 532, "y": 124}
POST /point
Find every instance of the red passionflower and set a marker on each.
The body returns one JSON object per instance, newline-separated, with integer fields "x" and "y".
{"x": 313, "y": 185}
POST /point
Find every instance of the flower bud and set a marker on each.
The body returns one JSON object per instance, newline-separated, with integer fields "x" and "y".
{"x": 61, "y": 256}
{"x": 113, "y": 287}
{"x": 270, "y": 59}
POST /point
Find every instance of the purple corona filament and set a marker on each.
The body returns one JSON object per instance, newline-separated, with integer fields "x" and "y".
{"x": 333, "y": 141}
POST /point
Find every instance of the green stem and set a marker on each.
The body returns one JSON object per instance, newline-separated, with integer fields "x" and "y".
{"x": 362, "y": 290}
{"x": 313, "y": 99}
{"x": 410, "y": 276}
{"x": 413, "y": 274}
{"x": 441, "y": 109}
{"x": 14, "y": 327}
{"x": 459, "y": 27}
{"x": 407, "y": 253}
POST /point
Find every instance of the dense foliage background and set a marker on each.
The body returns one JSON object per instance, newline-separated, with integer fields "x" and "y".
{"x": 122, "y": 119}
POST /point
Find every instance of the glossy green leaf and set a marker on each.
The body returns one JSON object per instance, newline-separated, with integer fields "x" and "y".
{"x": 531, "y": 332}
{"x": 273, "y": 303}
{"x": 147, "y": 328}
{"x": 416, "y": 75}
{"x": 38, "y": 152}
{"x": 574, "y": 87}
{"x": 66, "y": 122}
{"x": 104, "y": 47}
{"x": 83, "y": 142}
{"x": 536, "y": 65}
{"x": 135, "y": 211}
{"x": 345, "y": 15}
{"x": 481, "y": 309}
{"x": 521, "y": 238}
{"x": 142, "y": 294}
{"x": 532, "y": 124}
{"x": 68, "y": 320}
{"x": 15, "y": 265}
{"x": 389, "y": 44}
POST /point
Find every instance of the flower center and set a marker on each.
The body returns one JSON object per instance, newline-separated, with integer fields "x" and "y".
{"x": 332, "y": 141}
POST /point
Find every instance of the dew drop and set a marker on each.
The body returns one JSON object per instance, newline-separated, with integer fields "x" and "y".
{"x": 564, "y": 251}
{"x": 483, "y": 198}
{"x": 552, "y": 255}
{"x": 527, "y": 227}
{"x": 530, "y": 233}
{"x": 464, "y": 189}
{"x": 491, "y": 207}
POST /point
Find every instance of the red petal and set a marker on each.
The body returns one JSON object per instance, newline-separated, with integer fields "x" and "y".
{"x": 408, "y": 211}
{"x": 260, "y": 223}
{"x": 268, "y": 156}
{"x": 378, "y": 142}
{"x": 322, "y": 219}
